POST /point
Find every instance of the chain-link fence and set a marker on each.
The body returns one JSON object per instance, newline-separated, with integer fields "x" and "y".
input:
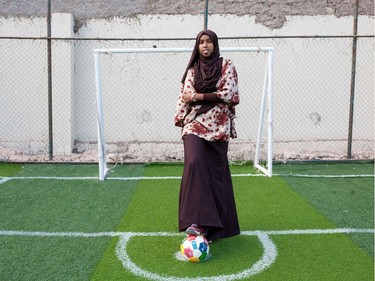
{"x": 312, "y": 88}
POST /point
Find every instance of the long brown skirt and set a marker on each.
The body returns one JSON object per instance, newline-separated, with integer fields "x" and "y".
{"x": 206, "y": 193}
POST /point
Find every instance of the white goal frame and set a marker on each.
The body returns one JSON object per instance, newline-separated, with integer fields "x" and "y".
{"x": 267, "y": 98}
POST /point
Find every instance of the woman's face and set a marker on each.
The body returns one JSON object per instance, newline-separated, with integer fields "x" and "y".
{"x": 206, "y": 47}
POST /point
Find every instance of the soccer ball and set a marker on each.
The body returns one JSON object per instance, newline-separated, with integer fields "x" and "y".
{"x": 195, "y": 248}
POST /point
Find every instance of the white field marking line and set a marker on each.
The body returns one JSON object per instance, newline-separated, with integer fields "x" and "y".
{"x": 51, "y": 178}
{"x": 4, "y": 179}
{"x": 325, "y": 176}
{"x": 250, "y": 232}
{"x": 269, "y": 254}
{"x": 145, "y": 178}
{"x": 83, "y": 234}
{"x": 313, "y": 231}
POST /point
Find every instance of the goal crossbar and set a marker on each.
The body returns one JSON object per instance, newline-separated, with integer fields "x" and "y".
{"x": 179, "y": 50}
{"x": 266, "y": 98}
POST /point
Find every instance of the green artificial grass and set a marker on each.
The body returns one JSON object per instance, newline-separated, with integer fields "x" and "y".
{"x": 269, "y": 204}
{"x": 59, "y": 170}
{"x": 316, "y": 168}
{"x": 49, "y": 258}
{"x": 151, "y": 206}
{"x": 162, "y": 170}
{"x": 53, "y": 205}
{"x": 262, "y": 204}
{"x": 59, "y": 206}
{"x": 318, "y": 257}
{"x": 348, "y": 202}
{"x": 9, "y": 169}
{"x": 153, "y": 209}
{"x": 229, "y": 256}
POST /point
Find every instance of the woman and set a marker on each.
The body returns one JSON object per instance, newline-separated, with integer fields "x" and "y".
{"x": 205, "y": 111}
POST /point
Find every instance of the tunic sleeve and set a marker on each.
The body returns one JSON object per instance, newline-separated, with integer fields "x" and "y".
{"x": 182, "y": 108}
{"x": 228, "y": 84}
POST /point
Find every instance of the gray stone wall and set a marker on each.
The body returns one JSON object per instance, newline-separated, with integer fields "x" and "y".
{"x": 271, "y": 13}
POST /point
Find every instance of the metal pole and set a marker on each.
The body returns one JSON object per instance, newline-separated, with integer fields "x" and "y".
{"x": 352, "y": 83}
{"x": 101, "y": 139}
{"x": 270, "y": 113}
{"x": 49, "y": 79}
{"x": 205, "y": 15}
{"x": 261, "y": 119}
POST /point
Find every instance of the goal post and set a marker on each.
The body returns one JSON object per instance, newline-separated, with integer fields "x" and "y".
{"x": 267, "y": 98}
{"x": 266, "y": 104}
{"x": 103, "y": 169}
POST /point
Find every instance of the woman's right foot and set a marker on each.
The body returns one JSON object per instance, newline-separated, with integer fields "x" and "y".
{"x": 195, "y": 230}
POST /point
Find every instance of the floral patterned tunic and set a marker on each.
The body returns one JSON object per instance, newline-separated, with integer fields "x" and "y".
{"x": 217, "y": 124}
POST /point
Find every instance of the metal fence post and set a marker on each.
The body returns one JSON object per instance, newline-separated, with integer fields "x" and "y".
{"x": 49, "y": 58}
{"x": 205, "y": 15}
{"x": 352, "y": 83}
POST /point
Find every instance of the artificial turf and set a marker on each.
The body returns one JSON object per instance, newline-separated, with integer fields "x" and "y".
{"x": 150, "y": 206}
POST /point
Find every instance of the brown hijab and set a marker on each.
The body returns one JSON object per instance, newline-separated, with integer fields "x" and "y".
{"x": 207, "y": 71}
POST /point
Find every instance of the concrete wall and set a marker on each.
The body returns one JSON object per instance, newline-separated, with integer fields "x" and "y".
{"x": 73, "y": 94}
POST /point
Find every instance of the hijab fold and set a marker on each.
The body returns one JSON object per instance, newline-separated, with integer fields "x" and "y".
{"x": 207, "y": 70}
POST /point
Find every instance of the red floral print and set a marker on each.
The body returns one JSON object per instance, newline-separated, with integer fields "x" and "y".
{"x": 217, "y": 124}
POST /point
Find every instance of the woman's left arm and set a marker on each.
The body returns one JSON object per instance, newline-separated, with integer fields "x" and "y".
{"x": 227, "y": 91}
{"x": 228, "y": 84}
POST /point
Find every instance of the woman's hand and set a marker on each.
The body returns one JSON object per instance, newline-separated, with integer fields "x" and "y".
{"x": 187, "y": 98}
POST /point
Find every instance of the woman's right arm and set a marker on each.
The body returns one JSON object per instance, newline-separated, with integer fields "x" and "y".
{"x": 182, "y": 108}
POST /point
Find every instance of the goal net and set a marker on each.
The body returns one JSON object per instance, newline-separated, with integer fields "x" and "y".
{"x": 137, "y": 91}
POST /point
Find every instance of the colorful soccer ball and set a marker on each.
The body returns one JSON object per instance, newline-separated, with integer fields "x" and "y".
{"x": 195, "y": 248}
